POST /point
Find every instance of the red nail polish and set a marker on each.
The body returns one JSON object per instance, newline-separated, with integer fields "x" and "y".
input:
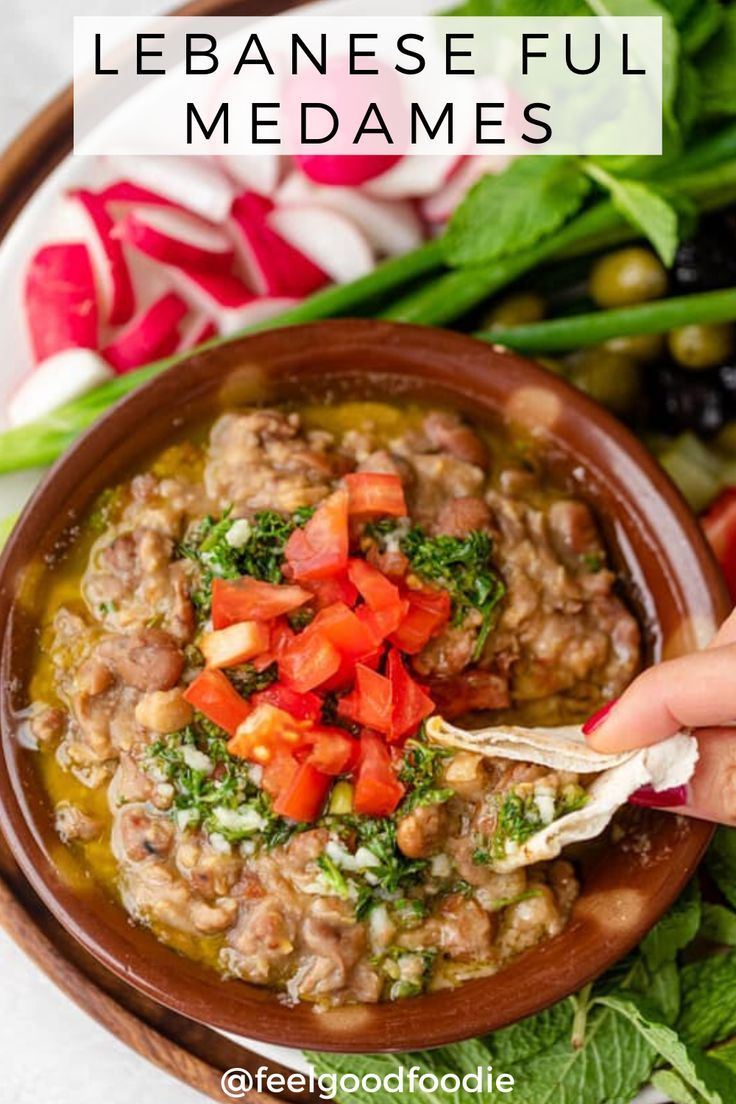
{"x": 598, "y": 718}
{"x": 662, "y": 799}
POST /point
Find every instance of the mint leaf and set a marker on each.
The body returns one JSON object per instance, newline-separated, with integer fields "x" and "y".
{"x": 527, "y": 1037}
{"x": 644, "y": 207}
{"x": 671, "y": 1085}
{"x": 674, "y": 931}
{"x": 726, "y": 1053}
{"x": 713, "y": 1081}
{"x": 718, "y": 925}
{"x": 721, "y": 862}
{"x": 708, "y": 1000}
{"x": 521, "y": 7}
{"x": 502, "y": 214}
{"x": 701, "y": 25}
{"x": 717, "y": 67}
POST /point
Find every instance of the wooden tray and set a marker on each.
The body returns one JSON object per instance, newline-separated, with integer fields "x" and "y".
{"x": 194, "y": 1054}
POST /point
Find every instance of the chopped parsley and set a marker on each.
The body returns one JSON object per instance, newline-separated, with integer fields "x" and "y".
{"x": 519, "y": 818}
{"x": 459, "y": 565}
{"x": 230, "y": 547}
{"x": 248, "y": 681}
{"x": 419, "y": 772}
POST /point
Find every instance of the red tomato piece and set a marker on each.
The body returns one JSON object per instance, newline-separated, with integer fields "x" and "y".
{"x": 213, "y": 694}
{"x": 336, "y": 589}
{"x": 332, "y": 749}
{"x": 303, "y": 707}
{"x": 351, "y": 636}
{"x": 320, "y": 548}
{"x": 383, "y": 622}
{"x": 304, "y": 797}
{"x": 410, "y": 703}
{"x": 377, "y": 789}
{"x": 719, "y": 523}
{"x": 429, "y": 611}
{"x": 308, "y": 661}
{"x": 370, "y": 702}
{"x": 249, "y": 599}
{"x": 376, "y": 590}
{"x": 266, "y": 732}
{"x": 279, "y": 773}
{"x": 375, "y": 494}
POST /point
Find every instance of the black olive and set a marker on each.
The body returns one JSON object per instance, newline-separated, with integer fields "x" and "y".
{"x": 708, "y": 261}
{"x": 683, "y": 400}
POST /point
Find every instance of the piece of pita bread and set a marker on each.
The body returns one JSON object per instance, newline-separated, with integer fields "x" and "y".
{"x": 662, "y": 766}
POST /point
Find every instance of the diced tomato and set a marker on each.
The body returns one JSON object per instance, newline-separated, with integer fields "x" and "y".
{"x": 249, "y": 599}
{"x": 304, "y": 797}
{"x": 383, "y": 622}
{"x": 338, "y": 588}
{"x": 370, "y": 702}
{"x": 213, "y": 694}
{"x": 320, "y": 548}
{"x": 351, "y": 636}
{"x": 429, "y": 611}
{"x": 265, "y": 732}
{"x": 410, "y": 703}
{"x": 279, "y": 773}
{"x": 236, "y": 644}
{"x": 376, "y": 590}
{"x": 308, "y": 661}
{"x": 719, "y": 523}
{"x": 377, "y": 789}
{"x": 332, "y": 749}
{"x": 375, "y": 494}
{"x": 303, "y": 707}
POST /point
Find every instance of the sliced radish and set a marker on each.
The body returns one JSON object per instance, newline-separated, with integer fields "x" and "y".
{"x": 61, "y": 299}
{"x": 186, "y": 181}
{"x": 195, "y": 332}
{"x": 345, "y": 170}
{"x": 58, "y": 380}
{"x": 437, "y": 208}
{"x": 125, "y": 193}
{"x": 256, "y": 173}
{"x": 108, "y": 258}
{"x": 177, "y": 238}
{"x": 226, "y": 299}
{"x": 273, "y": 265}
{"x": 327, "y": 238}
{"x": 152, "y": 333}
{"x": 414, "y": 177}
{"x": 392, "y": 228}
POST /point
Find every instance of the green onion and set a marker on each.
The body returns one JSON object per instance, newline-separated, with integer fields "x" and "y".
{"x": 560, "y": 334}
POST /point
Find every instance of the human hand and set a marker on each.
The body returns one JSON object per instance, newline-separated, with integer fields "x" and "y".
{"x": 698, "y": 692}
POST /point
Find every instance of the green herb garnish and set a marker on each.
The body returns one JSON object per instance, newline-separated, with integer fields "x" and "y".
{"x": 419, "y": 772}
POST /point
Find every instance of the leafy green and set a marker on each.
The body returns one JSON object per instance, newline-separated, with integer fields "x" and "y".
{"x": 514, "y": 1044}
{"x": 645, "y": 207}
{"x": 700, "y": 25}
{"x": 674, "y": 931}
{"x": 508, "y": 212}
{"x": 419, "y": 771}
{"x": 518, "y": 818}
{"x": 718, "y": 925}
{"x": 708, "y": 1000}
{"x": 248, "y": 680}
{"x": 521, "y": 7}
{"x": 673, "y": 1087}
{"x": 717, "y": 67}
{"x": 711, "y": 1080}
{"x": 461, "y": 566}
{"x": 721, "y": 863}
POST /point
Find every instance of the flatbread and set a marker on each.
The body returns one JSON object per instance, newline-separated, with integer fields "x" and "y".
{"x": 662, "y": 766}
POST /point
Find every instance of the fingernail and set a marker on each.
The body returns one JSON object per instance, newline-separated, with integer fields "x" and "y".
{"x": 598, "y": 718}
{"x": 659, "y": 799}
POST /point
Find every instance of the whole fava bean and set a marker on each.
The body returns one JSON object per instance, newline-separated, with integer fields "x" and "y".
{"x": 515, "y": 310}
{"x": 609, "y": 378}
{"x": 628, "y": 276}
{"x": 702, "y": 346}
{"x": 643, "y": 348}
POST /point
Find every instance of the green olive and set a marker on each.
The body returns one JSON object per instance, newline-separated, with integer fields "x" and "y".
{"x": 611, "y": 379}
{"x": 702, "y": 346}
{"x": 643, "y": 348}
{"x": 515, "y": 310}
{"x": 627, "y": 276}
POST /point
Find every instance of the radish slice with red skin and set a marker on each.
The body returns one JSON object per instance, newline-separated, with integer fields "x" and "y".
{"x": 188, "y": 182}
{"x": 226, "y": 299}
{"x": 194, "y": 333}
{"x": 58, "y": 380}
{"x": 124, "y": 193}
{"x": 107, "y": 251}
{"x": 438, "y": 208}
{"x": 391, "y": 228}
{"x": 345, "y": 170}
{"x": 329, "y": 239}
{"x": 257, "y": 174}
{"x": 414, "y": 177}
{"x": 152, "y": 333}
{"x": 177, "y": 238}
{"x": 273, "y": 265}
{"x": 61, "y": 299}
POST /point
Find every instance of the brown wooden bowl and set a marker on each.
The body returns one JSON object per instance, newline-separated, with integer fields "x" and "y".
{"x": 673, "y": 581}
